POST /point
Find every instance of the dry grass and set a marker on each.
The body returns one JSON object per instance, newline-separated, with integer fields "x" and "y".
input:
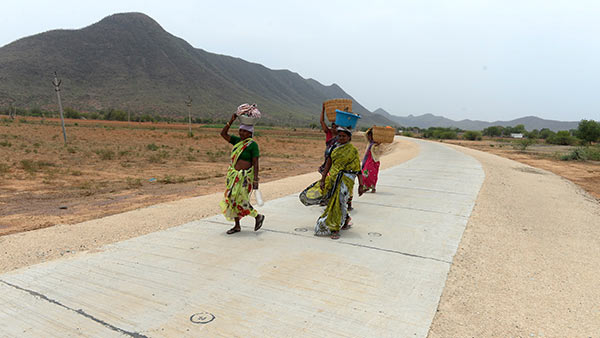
{"x": 110, "y": 167}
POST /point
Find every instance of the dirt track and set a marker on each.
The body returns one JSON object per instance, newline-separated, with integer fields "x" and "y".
{"x": 527, "y": 265}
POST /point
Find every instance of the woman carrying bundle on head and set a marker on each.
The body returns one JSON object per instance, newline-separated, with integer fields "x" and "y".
{"x": 370, "y": 163}
{"x": 343, "y": 165}
{"x": 242, "y": 174}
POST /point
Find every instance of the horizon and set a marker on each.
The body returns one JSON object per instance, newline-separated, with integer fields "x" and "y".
{"x": 487, "y": 62}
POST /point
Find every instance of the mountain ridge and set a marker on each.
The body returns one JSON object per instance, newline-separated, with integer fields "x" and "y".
{"x": 128, "y": 61}
{"x": 430, "y": 120}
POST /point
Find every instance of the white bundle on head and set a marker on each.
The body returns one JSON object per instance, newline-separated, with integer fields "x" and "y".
{"x": 249, "y": 110}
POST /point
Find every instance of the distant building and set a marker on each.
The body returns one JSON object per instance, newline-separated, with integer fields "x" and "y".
{"x": 516, "y": 135}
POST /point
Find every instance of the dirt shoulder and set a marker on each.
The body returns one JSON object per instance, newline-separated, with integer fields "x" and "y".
{"x": 31, "y": 247}
{"x": 528, "y": 260}
{"x": 586, "y": 174}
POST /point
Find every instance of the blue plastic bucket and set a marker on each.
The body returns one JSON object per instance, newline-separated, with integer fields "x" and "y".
{"x": 345, "y": 119}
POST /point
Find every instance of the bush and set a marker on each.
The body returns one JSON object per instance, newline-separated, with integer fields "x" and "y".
{"x": 4, "y": 168}
{"x": 71, "y": 113}
{"x": 152, "y": 147}
{"x": 563, "y": 137}
{"x": 440, "y": 133}
{"x": 133, "y": 183}
{"x": 583, "y": 154}
{"x": 472, "y": 135}
{"x": 105, "y": 154}
{"x": 523, "y": 143}
{"x": 158, "y": 157}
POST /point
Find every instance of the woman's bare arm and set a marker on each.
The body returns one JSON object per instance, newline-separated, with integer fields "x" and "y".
{"x": 323, "y": 124}
{"x": 225, "y": 130}
{"x": 325, "y": 172}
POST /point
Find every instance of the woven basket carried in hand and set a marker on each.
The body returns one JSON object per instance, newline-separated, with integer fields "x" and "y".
{"x": 332, "y": 105}
{"x": 383, "y": 134}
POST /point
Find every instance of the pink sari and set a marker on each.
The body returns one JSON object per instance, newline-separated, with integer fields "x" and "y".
{"x": 370, "y": 169}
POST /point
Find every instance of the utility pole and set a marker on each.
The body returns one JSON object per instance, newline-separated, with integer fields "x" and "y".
{"x": 188, "y": 103}
{"x": 56, "y": 82}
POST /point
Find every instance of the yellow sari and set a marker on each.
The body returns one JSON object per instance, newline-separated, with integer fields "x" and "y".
{"x": 236, "y": 201}
{"x": 345, "y": 165}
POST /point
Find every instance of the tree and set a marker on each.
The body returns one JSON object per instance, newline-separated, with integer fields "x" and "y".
{"x": 588, "y": 130}
{"x": 472, "y": 135}
{"x": 562, "y": 137}
{"x": 494, "y": 131}
{"x": 545, "y": 133}
{"x": 534, "y": 134}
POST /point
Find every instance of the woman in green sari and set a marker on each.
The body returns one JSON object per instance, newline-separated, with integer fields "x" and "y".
{"x": 343, "y": 166}
{"x": 242, "y": 177}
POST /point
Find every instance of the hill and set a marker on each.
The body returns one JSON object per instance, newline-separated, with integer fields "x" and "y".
{"x": 430, "y": 120}
{"x": 128, "y": 61}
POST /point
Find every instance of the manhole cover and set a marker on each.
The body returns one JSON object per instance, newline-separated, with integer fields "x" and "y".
{"x": 301, "y": 229}
{"x": 202, "y": 318}
{"x": 374, "y": 234}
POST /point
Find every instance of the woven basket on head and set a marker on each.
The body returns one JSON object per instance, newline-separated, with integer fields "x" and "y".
{"x": 383, "y": 134}
{"x": 332, "y": 105}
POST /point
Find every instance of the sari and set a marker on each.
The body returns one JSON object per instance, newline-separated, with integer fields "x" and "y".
{"x": 370, "y": 166}
{"x": 236, "y": 200}
{"x": 345, "y": 166}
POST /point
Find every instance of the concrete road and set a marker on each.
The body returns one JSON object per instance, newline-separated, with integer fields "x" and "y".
{"x": 383, "y": 278}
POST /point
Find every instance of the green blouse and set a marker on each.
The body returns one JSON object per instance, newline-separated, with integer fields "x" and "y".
{"x": 250, "y": 152}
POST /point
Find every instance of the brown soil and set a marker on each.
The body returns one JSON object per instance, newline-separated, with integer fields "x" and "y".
{"x": 111, "y": 167}
{"x": 585, "y": 174}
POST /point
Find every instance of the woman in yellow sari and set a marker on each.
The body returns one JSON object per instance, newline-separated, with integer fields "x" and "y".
{"x": 343, "y": 167}
{"x": 242, "y": 177}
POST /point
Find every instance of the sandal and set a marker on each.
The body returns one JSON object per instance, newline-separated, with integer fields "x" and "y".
{"x": 335, "y": 235}
{"x": 233, "y": 230}
{"x": 259, "y": 222}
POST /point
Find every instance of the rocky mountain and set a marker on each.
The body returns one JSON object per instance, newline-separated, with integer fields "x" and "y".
{"x": 430, "y": 120}
{"x": 129, "y": 62}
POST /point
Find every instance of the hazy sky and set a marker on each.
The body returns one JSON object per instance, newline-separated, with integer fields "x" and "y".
{"x": 485, "y": 60}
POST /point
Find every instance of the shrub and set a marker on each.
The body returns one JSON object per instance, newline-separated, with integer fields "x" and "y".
{"x": 4, "y": 168}
{"x": 562, "y": 137}
{"x": 577, "y": 154}
{"x": 158, "y": 157}
{"x": 32, "y": 167}
{"x": 133, "y": 182}
{"x": 152, "y": 147}
{"x": 472, "y": 135}
{"x": 583, "y": 154}
{"x": 523, "y": 143}
{"x": 105, "y": 154}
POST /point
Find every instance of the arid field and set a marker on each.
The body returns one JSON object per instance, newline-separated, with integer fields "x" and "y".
{"x": 110, "y": 167}
{"x": 544, "y": 156}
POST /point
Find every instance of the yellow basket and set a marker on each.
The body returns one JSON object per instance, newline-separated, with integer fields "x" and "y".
{"x": 383, "y": 134}
{"x": 332, "y": 105}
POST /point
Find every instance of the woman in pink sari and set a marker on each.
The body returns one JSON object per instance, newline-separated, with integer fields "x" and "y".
{"x": 370, "y": 163}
